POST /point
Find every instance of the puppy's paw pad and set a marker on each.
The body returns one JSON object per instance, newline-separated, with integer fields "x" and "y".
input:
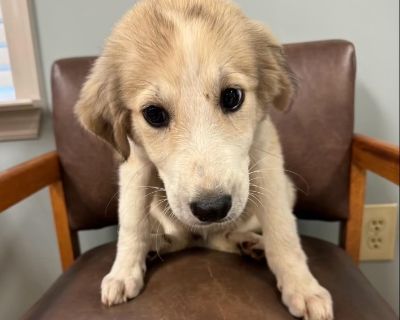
{"x": 248, "y": 243}
{"x": 117, "y": 290}
{"x": 311, "y": 305}
{"x": 252, "y": 249}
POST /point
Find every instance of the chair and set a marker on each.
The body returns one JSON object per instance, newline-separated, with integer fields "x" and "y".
{"x": 319, "y": 144}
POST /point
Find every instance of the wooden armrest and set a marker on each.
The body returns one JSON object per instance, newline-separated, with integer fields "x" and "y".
{"x": 379, "y": 157}
{"x": 21, "y": 181}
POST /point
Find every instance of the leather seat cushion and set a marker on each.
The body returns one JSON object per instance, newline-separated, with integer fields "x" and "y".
{"x": 203, "y": 284}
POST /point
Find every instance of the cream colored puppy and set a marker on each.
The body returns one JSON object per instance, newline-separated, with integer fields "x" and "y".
{"x": 182, "y": 91}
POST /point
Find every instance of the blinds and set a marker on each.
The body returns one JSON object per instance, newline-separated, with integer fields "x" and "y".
{"x": 7, "y": 90}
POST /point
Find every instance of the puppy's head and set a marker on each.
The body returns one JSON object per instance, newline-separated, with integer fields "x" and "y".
{"x": 188, "y": 82}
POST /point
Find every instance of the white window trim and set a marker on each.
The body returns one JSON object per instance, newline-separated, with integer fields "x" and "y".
{"x": 20, "y": 118}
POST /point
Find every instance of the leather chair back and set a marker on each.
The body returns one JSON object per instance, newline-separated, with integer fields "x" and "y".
{"x": 316, "y": 134}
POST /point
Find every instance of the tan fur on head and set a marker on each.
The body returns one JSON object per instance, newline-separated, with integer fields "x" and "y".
{"x": 146, "y": 42}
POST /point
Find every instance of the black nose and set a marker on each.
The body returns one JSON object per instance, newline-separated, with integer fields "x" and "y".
{"x": 211, "y": 209}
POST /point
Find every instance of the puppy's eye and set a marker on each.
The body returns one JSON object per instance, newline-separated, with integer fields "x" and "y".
{"x": 156, "y": 116}
{"x": 231, "y": 99}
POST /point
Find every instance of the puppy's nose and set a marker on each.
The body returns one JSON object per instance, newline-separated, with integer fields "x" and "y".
{"x": 211, "y": 209}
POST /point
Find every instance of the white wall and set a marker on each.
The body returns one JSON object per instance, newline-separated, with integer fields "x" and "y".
{"x": 28, "y": 252}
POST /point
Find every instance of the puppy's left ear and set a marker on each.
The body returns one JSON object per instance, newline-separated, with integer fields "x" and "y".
{"x": 277, "y": 83}
{"x": 100, "y": 109}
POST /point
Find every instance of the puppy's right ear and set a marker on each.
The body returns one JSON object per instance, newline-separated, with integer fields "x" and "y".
{"x": 277, "y": 82}
{"x": 100, "y": 109}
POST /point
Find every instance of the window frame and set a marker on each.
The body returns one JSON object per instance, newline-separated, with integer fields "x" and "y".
{"x": 20, "y": 118}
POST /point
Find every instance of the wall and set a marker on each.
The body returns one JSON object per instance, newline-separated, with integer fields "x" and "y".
{"x": 28, "y": 252}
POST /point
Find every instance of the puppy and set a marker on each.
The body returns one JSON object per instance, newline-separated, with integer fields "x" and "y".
{"x": 182, "y": 92}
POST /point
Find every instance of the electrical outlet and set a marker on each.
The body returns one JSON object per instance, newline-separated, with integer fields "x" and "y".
{"x": 379, "y": 232}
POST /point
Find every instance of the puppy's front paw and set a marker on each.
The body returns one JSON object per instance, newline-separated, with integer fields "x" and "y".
{"x": 311, "y": 302}
{"x": 116, "y": 288}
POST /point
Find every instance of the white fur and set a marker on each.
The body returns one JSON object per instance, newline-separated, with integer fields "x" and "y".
{"x": 182, "y": 62}
{"x": 272, "y": 213}
{"x": 125, "y": 279}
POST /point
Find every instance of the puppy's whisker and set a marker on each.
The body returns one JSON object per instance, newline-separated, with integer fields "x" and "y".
{"x": 264, "y": 170}
{"x": 256, "y": 199}
{"x": 306, "y": 192}
{"x": 151, "y": 187}
{"x": 255, "y": 164}
{"x": 253, "y": 202}
{"x": 258, "y": 187}
{"x": 254, "y": 185}
{"x": 302, "y": 179}
{"x": 268, "y": 152}
{"x": 256, "y": 178}
{"x": 170, "y": 214}
{"x": 150, "y": 194}
{"x": 256, "y": 192}
{"x": 116, "y": 193}
{"x": 109, "y": 202}
{"x": 161, "y": 201}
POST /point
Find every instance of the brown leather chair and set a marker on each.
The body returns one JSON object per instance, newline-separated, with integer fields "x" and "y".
{"x": 319, "y": 145}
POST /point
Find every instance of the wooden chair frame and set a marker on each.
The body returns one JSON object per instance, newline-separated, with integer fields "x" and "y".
{"x": 21, "y": 181}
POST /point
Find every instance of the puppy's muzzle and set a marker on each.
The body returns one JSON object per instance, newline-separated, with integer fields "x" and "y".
{"x": 211, "y": 208}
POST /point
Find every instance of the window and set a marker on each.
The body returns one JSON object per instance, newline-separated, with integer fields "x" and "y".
{"x": 20, "y": 93}
{"x": 7, "y": 90}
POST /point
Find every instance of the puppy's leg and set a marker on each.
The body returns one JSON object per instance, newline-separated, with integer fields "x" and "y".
{"x": 125, "y": 279}
{"x": 167, "y": 235}
{"x": 301, "y": 292}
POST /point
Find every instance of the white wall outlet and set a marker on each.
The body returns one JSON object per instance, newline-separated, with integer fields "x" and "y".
{"x": 378, "y": 232}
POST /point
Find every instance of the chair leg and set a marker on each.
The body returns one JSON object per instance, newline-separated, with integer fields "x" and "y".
{"x": 352, "y": 229}
{"x": 67, "y": 240}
